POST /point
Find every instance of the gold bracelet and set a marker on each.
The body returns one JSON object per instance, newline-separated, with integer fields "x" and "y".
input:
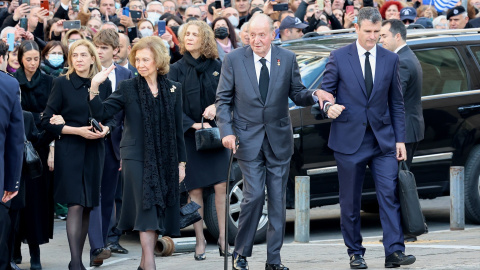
{"x": 182, "y": 164}
{"x": 93, "y": 93}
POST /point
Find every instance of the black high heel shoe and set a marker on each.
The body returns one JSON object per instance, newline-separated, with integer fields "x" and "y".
{"x": 222, "y": 252}
{"x": 200, "y": 257}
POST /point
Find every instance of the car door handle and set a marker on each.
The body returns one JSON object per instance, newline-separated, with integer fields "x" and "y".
{"x": 469, "y": 110}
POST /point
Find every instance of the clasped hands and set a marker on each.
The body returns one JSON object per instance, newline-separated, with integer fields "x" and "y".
{"x": 85, "y": 131}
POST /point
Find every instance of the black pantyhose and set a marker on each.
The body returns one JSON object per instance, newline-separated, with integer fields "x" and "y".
{"x": 77, "y": 228}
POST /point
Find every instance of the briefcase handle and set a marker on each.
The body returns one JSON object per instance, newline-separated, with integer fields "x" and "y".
{"x": 403, "y": 166}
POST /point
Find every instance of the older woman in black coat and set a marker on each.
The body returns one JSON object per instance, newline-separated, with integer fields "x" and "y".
{"x": 35, "y": 89}
{"x": 199, "y": 72}
{"x": 152, "y": 147}
{"x": 79, "y": 149}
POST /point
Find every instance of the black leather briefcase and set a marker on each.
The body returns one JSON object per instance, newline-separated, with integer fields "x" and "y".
{"x": 413, "y": 220}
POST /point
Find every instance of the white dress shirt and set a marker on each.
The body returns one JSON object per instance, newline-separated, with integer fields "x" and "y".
{"x": 372, "y": 58}
{"x": 258, "y": 64}
{"x": 399, "y": 48}
{"x": 112, "y": 78}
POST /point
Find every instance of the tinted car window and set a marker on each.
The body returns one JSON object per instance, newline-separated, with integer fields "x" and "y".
{"x": 311, "y": 69}
{"x": 476, "y": 52}
{"x": 443, "y": 71}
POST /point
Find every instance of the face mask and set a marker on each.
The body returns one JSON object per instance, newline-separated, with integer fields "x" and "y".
{"x": 118, "y": 5}
{"x": 55, "y": 59}
{"x": 221, "y": 33}
{"x": 146, "y": 32}
{"x": 175, "y": 30}
{"x": 153, "y": 17}
{"x": 233, "y": 20}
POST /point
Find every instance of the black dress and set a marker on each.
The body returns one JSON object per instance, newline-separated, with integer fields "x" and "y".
{"x": 133, "y": 216}
{"x": 38, "y": 192}
{"x": 78, "y": 161}
{"x": 207, "y": 167}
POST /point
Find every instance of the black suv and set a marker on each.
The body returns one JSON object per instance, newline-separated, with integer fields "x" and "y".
{"x": 451, "y": 107}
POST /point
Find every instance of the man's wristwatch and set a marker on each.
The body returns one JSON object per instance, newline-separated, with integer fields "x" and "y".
{"x": 326, "y": 107}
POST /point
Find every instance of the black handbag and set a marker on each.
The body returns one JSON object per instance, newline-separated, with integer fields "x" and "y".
{"x": 189, "y": 213}
{"x": 31, "y": 160}
{"x": 413, "y": 221}
{"x": 208, "y": 138}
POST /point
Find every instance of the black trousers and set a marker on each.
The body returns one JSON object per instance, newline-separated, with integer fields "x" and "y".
{"x": 411, "y": 148}
{"x": 4, "y": 237}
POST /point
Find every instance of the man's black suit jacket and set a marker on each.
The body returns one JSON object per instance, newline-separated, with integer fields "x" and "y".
{"x": 411, "y": 77}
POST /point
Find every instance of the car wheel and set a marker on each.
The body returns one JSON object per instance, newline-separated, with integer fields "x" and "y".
{"x": 472, "y": 186}
{"x": 236, "y": 196}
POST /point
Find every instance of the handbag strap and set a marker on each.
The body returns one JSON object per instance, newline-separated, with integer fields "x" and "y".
{"x": 186, "y": 188}
{"x": 202, "y": 121}
{"x": 214, "y": 120}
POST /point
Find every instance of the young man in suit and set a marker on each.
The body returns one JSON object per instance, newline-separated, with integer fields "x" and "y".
{"x": 107, "y": 43}
{"x": 368, "y": 128}
{"x": 255, "y": 85}
{"x": 393, "y": 37}
{"x": 11, "y": 155}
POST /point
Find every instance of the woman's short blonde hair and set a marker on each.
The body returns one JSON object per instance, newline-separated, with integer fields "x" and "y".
{"x": 208, "y": 49}
{"x": 161, "y": 56}
{"x": 94, "y": 68}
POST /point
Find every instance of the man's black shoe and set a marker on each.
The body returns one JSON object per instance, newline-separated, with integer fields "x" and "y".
{"x": 98, "y": 255}
{"x": 357, "y": 262}
{"x": 239, "y": 262}
{"x": 275, "y": 267}
{"x": 116, "y": 248}
{"x": 398, "y": 258}
{"x": 14, "y": 266}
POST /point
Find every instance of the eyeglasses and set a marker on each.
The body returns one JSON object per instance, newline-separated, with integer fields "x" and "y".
{"x": 121, "y": 31}
{"x": 258, "y": 6}
{"x": 136, "y": 7}
{"x": 170, "y": 8}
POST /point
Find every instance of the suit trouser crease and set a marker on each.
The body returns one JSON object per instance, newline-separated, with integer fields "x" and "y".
{"x": 265, "y": 170}
{"x": 351, "y": 174}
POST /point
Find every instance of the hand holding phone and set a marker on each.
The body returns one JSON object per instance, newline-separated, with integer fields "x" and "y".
{"x": 161, "y": 27}
{"x": 321, "y": 4}
{"x": 11, "y": 41}
{"x": 95, "y": 125}
{"x": 349, "y": 9}
{"x": 218, "y": 4}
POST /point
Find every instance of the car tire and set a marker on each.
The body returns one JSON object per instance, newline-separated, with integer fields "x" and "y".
{"x": 236, "y": 196}
{"x": 472, "y": 186}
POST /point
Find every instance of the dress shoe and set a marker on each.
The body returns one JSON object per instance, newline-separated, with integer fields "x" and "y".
{"x": 357, "y": 262}
{"x": 239, "y": 262}
{"x": 200, "y": 257}
{"x": 98, "y": 255}
{"x": 35, "y": 264}
{"x": 17, "y": 260}
{"x": 222, "y": 251}
{"x": 116, "y": 248}
{"x": 398, "y": 258}
{"x": 275, "y": 267}
{"x": 14, "y": 266}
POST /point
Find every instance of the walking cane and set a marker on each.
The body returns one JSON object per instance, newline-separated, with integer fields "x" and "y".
{"x": 227, "y": 208}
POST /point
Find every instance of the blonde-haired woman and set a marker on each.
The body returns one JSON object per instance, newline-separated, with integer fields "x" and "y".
{"x": 79, "y": 151}
{"x": 152, "y": 146}
{"x": 199, "y": 72}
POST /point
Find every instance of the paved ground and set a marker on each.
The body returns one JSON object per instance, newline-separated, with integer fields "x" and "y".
{"x": 439, "y": 249}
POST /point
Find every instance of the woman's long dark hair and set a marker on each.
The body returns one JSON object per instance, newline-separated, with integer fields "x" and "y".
{"x": 52, "y": 44}
{"x": 232, "y": 35}
{"x": 25, "y": 46}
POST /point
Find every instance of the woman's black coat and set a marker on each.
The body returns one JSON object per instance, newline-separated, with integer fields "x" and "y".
{"x": 78, "y": 161}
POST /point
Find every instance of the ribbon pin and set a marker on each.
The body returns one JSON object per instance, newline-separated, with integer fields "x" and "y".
{"x": 278, "y": 62}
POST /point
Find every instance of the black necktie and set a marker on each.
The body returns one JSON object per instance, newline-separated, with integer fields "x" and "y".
{"x": 368, "y": 75}
{"x": 264, "y": 79}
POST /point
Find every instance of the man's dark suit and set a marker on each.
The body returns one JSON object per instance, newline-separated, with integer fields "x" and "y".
{"x": 411, "y": 77}
{"x": 133, "y": 70}
{"x": 111, "y": 175}
{"x": 11, "y": 154}
{"x": 364, "y": 134}
{"x": 265, "y": 135}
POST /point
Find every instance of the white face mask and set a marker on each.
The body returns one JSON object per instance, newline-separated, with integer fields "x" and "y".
{"x": 153, "y": 17}
{"x": 233, "y": 20}
{"x": 146, "y": 32}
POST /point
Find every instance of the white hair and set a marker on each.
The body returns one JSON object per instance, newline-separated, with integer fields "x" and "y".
{"x": 155, "y": 3}
{"x": 438, "y": 19}
{"x": 3, "y": 34}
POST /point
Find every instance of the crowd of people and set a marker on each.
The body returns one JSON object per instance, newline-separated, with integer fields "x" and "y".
{"x": 148, "y": 73}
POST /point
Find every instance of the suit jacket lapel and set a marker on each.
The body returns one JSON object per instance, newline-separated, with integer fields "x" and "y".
{"x": 274, "y": 71}
{"x": 356, "y": 67}
{"x": 379, "y": 69}
{"x": 250, "y": 68}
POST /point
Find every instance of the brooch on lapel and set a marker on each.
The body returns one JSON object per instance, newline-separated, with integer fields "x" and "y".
{"x": 278, "y": 62}
{"x": 215, "y": 73}
{"x": 173, "y": 88}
